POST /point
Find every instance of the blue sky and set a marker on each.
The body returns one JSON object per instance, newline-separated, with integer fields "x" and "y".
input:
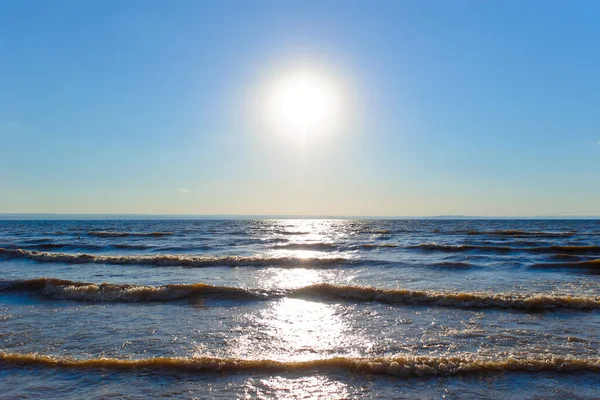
{"x": 453, "y": 107}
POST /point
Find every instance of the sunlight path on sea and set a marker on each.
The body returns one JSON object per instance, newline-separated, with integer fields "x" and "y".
{"x": 293, "y": 329}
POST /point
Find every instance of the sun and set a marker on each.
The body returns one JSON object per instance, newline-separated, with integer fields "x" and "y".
{"x": 303, "y": 105}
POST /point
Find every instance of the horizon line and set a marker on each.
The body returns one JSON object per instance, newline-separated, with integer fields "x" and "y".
{"x": 149, "y": 216}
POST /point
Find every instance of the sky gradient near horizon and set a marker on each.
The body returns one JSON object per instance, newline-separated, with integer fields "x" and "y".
{"x": 451, "y": 107}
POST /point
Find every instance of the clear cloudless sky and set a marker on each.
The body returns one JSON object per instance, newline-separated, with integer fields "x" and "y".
{"x": 452, "y": 107}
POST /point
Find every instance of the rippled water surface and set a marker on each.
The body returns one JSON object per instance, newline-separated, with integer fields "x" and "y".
{"x": 300, "y": 309}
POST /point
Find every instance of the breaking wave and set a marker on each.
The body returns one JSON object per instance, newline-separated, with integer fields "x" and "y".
{"x": 174, "y": 260}
{"x": 405, "y": 366}
{"x": 107, "y": 292}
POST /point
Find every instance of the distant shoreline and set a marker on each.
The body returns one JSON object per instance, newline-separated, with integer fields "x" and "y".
{"x": 58, "y": 217}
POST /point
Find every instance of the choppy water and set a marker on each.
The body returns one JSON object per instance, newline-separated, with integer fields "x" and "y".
{"x": 300, "y": 309}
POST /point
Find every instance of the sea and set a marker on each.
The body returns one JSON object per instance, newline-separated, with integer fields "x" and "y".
{"x": 300, "y": 309}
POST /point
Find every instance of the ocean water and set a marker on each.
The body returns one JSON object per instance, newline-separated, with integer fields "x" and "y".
{"x": 298, "y": 309}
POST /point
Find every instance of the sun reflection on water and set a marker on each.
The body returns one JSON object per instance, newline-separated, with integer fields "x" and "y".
{"x": 277, "y": 278}
{"x": 306, "y": 328}
{"x": 308, "y": 239}
{"x": 306, "y": 387}
{"x": 293, "y": 330}
{"x": 310, "y": 230}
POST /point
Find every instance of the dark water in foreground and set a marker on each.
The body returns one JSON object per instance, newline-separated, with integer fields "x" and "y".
{"x": 300, "y": 309}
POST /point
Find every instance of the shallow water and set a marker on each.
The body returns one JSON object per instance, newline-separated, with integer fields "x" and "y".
{"x": 300, "y": 309}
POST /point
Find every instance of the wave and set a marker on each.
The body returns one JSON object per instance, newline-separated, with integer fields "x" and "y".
{"x": 125, "y": 234}
{"x": 593, "y": 265}
{"x": 107, "y": 292}
{"x": 451, "y": 248}
{"x": 289, "y": 233}
{"x": 565, "y": 257}
{"x": 449, "y": 299}
{"x": 568, "y": 249}
{"x": 75, "y": 245}
{"x": 363, "y": 230}
{"x": 324, "y": 246}
{"x": 53, "y": 246}
{"x": 174, "y": 260}
{"x": 182, "y": 248}
{"x": 369, "y": 246}
{"x": 453, "y": 264}
{"x": 36, "y": 241}
{"x": 306, "y": 246}
{"x": 405, "y": 366}
{"x": 520, "y": 233}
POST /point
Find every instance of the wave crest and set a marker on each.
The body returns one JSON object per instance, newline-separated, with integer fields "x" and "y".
{"x": 450, "y": 299}
{"x": 106, "y": 292}
{"x": 405, "y": 366}
{"x": 109, "y": 292}
{"x": 174, "y": 260}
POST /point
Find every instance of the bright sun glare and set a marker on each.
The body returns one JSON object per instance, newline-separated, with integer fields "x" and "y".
{"x": 303, "y": 105}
